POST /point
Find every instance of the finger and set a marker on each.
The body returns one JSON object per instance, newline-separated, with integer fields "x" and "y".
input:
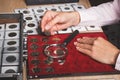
{"x": 48, "y": 16}
{"x": 58, "y": 27}
{"x": 85, "y": 46}
{"x": 84, "y": 51}
{"x": 86, "y": 40}
{"x": 44, "y": 20}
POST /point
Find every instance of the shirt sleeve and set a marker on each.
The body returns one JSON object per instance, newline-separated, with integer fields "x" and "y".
{"x": 117, "y": 65}
{"x": 103, "y": 14}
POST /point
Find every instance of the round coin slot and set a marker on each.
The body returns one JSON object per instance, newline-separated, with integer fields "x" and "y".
{"x": 11, "y": 42}
{"x": 10, "y": 71}
{"x": 67, "y": 8}
{"x": 29, "y": 31}
{"x": 12, "y": 34}
{"x": 11, "y": 48}
{"x": 54, "y": 9}
{"x": 28, "y": 18}
{"x": 10, "y": 59}
{"x": 40, "y": 10}
{"x": 31, "y": 24}
{"x": 79, "y": 7}
{"x": 0, "y": 27}
{"x": 26, "y": 12}
{"x": 12, "y": 26}
{"x": 92, "y": 26}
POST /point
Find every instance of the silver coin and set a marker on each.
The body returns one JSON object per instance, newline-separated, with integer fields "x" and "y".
{"x": 34, "y": 40}
{"x": 45, "y": 39}
{"x": 35, "y": 53}
{"x": 35, "y": 62}
{"x": 36, "y": 70}
{"x": 47, "y": 33}
{"x": 34, "y": 46}
{"x": 49, "y": 61}
{"x": 49, "y": 69}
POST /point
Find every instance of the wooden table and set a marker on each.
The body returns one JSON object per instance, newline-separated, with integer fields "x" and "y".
{"x": 8, "y": 6}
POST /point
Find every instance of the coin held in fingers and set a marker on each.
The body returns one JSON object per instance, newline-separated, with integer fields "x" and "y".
{"x": 47, "y": 33}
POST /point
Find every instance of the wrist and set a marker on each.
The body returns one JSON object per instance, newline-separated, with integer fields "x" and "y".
{"x": 116, "y": 56}
{"x": 76, "y": 18}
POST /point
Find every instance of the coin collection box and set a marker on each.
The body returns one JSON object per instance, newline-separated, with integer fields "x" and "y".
{"x": 23, "y": 43}
{"x": 11, "y": 46}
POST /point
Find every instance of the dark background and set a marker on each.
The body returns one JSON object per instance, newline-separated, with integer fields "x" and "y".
{"x": 97, "y": 2}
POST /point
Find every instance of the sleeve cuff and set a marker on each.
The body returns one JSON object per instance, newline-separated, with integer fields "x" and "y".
{"x": 117, "y": 65}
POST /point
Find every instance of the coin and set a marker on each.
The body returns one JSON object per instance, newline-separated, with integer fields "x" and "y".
{"x": 35, "y": 54}
{"x": 34, "y": 40}
{"x": 49, "y": 60}
{"x": 31, "y": 25}
{"x": 35, "y": 62}
{"x": 26, "y": 12}
{"x": 28, "y": 18}
{"x": 36, "y": 70}
{"x": 47, "y": 33}
{"x": 10, "y": 58}
{"x": 49, "y": 69}
{"x": 10, "y": 71}
{"x": 60, "y": 52}
{"x": 45, "y": 39}
{"x": 56, "y": 39}
{"x": 12, "y": 26}
{"x": 34, "y": 46}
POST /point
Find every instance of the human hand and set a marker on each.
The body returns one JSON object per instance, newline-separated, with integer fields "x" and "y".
{"x": 97, "y": 48}
{"x": 53, "y": 21}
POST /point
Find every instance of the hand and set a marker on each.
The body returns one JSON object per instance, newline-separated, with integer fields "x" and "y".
{"x": 98, "y": 49}
{"x": 53, "y": 21}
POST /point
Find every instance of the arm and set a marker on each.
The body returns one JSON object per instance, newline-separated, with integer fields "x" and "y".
{"x": 103, "y": 14}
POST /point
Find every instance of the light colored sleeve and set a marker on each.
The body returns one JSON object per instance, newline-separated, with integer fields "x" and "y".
{"x": 117, "y": 65}
{"x": 103, "y": 14}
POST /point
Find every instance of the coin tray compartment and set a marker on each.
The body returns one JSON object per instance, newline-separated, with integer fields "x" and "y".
{"x": 34, "y": 16}
{"x": 11, "y": 46}
{"x": 76, "y": 63}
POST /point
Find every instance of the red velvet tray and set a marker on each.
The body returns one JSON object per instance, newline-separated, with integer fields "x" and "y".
{"x": 75, "y": 62}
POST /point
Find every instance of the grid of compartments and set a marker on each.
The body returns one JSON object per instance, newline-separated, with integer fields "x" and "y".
{"x": 9, "y": 47}
{"x": 33, "y": 16}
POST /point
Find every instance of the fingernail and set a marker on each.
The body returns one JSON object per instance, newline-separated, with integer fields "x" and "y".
{"x": 78, "y": 39}
{"x": 47, "y": 27}
{"x": 75, "y": 43}
{"x": 77, "y": 48}
{"x": 42, "y": 30}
